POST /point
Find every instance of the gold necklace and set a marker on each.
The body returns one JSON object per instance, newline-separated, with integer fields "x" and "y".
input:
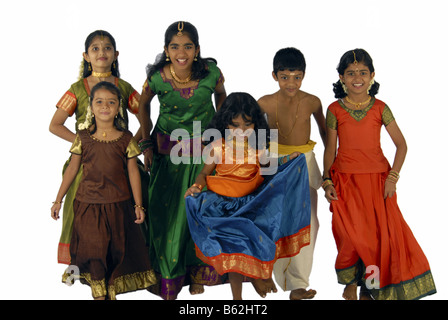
{"x": 105, "y": 134}
{"x": 293, "y": 125}
{"x": 101, "y": 74}
{"x": 176, "y": 78}
{"x": 356, "y": 104}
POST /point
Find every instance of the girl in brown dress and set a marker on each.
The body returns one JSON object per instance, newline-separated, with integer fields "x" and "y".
{"x": 107, "y": 248}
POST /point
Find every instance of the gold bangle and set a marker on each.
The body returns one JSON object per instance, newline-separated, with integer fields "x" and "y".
{"x": 57, "y": 202}
{"x": 197, "y": 186}
{"x": 137, "y": 206}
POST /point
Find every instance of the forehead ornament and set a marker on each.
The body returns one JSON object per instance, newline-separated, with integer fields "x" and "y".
{"x": 180, "y": 28}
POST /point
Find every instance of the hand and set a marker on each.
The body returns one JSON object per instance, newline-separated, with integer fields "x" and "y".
{"x": 55, "y": 210}
{"x": 293, "y": 155}
{"x": 389, "y": 189}
{"x": 148, "y": 155}
{"x": 191, "y": 191}
{"x": 330, "y": 194}
{"x": 140, "y": 214}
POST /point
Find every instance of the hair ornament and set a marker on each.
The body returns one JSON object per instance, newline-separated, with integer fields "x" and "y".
{"x": 354, "y": 56}
{"x": 180, "y": 28}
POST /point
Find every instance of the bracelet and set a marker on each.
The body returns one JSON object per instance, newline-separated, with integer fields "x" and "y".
{"x": 327, "y": 182}
{"x": 280, "y": 159}
{"x": 137, "y": 206}
{"x": 197, "y": 186}
{"x": 57, "y": 202}
{"x": 144, "y": 144}
{"x": 393, "y": 176}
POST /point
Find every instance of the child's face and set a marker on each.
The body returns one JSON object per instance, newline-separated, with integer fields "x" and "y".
{"x": 105, "y": 105}
{"x": 357, "y": 78}
{"x": 182, "y": 52}
{"x": 289, "y": 81}
{"x": 101, "y": 53}
{"x": 242, "y": 127}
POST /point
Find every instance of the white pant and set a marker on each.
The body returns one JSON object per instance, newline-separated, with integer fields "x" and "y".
{"x": 294, "y": 273}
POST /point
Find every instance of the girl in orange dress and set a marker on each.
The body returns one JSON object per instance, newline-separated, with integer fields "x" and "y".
{"x": 245, "y": 221}
{"x": 376, "y": 248}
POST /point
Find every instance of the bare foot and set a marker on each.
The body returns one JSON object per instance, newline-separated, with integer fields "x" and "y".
{"x": 364, "y": 293}
{"x": 260, "y": 286}
{"x": 299, "y": 294}
{"x": 350, "y": 292}
{"x": 196, "y": 288}
{"x": 270, "y": 286}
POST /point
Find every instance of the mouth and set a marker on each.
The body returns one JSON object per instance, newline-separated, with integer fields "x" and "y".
{"x": 182, "y": 62}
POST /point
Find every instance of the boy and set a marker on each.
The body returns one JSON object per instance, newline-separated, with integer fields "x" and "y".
{"x": 289, "y": 110}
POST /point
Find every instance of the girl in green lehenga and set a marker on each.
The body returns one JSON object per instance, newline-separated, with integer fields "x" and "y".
{"x": 100, "y": 64}
{"x": 184, "y": 84}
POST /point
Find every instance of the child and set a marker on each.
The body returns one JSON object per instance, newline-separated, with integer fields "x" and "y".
{"x": 100, "y": 63}
{"x": 368, "y": 227}
{"x": 107, "y": 246}
{"x": 185, "y": 85}
{"x": 289, "y": 110}
{"x": 245, "y": 222}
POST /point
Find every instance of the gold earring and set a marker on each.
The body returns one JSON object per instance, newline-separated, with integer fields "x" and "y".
{"x": 167, "y": 58}
{"x": 344, "y": 87}
{"x": 196, "y": 58}
{"x": 90, "y": 67}
{"x": 370, "y": 86}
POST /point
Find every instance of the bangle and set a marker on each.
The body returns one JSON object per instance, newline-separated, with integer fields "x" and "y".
{"x": 137, "y": 206}
{"x": 144, "y": 144}
{"x": 197, "y": 186}
{"x": 327, "y": 182}
{"x": 57, "y": 202}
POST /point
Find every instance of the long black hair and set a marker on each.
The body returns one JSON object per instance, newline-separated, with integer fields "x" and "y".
{"x": 236, "y": 104}
{"x": 199, "y": 69}
{"x": 99, "y": 33}
{"x": 348, "y": 58}
{"x": 119, "y": 122}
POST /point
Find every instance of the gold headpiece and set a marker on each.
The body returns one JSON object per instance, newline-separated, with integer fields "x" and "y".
{"x": 354, "y": 55}
{"x": 180, "y": 27}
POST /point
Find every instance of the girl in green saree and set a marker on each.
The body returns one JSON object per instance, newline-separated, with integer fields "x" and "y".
{"x": 184, "y": 84}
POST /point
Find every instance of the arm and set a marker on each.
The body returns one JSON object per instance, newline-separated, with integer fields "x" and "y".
{"x": 201, "y": 180}
{"x": 145, "y": 122}
{"x": 400, "y": 155}
{"x": 220, "y": 95}
{"x": 329, "y": 156}
{"x": 320, "y": 121}
{"x": 134, "y": 179}
{"x": 58, "y": 128}
{"x": 69, "y": 176}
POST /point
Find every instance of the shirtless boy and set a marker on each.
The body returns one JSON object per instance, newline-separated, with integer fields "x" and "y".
{"x": 289, "y": 110}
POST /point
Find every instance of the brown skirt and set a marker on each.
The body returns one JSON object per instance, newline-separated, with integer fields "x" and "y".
{"x": 107, "y": 249}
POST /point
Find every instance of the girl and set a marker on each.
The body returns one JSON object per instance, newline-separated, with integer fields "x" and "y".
{"x": 100, "y": 63}
{"x": 184, "y": 84}
{"x": 106, "y": 246}
{"x": 369, "y": 230}
{"x": 245, "y": 222}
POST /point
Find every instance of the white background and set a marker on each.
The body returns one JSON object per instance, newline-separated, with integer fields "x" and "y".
{"x": 41, "y": 51}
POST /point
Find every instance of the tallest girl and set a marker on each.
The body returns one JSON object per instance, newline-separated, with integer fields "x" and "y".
{"x": 184, "y": 84}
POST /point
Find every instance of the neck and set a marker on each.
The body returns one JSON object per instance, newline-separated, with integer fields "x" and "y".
{"x": 358, "y": 98}
{"x": 102, "y": 70}
{"x": 182, "y": 74}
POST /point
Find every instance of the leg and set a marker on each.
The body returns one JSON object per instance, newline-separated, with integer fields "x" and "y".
{"x": 236, "y": 284}
{"x": 350, "y": 292}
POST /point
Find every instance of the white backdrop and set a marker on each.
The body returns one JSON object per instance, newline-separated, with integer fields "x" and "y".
{"x": 41, "y": 47}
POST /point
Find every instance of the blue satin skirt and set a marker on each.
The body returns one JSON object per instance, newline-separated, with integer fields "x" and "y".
{"x": 248, "y": 234}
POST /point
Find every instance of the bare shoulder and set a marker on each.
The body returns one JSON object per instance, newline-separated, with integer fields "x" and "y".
{"x": 266, "y": 102}
{"x": 311, "y": 101}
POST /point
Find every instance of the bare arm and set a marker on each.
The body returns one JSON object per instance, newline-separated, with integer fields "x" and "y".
{"x": 220, "y": 95}
{"x": 58, "y": 128}
{"x": 69, "y": 175}
{"x": 400, "y": 155}
{"x": 134, "y": 179}
{"x": 201, "y": 180}
{"x": 329, "y": 157}
{"x": 320, "y": 121}
{"x": 146, "y": 123}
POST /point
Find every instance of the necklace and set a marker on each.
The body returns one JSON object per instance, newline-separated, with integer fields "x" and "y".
{"x": 356, "y": 104}
{"x": 293, "y": 125}
{"x": 176, "y": 78}
{"x": 101, "y": 74}
{"x": 105, "y": 133}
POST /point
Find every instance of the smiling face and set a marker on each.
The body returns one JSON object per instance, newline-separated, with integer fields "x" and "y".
{"x": 357, "y": 78}
{"x": 289, "y": 81}
{"x": 105, "y": 105}
{"x": 101, "y": 54}
{"x": 242, "y": 126}
{"x": 182, "y": 52}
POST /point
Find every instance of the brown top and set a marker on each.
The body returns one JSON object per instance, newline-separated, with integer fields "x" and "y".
{"x": 104, "y": 164}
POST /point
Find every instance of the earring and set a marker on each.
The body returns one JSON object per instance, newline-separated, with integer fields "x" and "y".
{"x": 370, "y": 86}
{"x": 90, "y": 67}
{"x": 114, "y": 65}
{"x": 344, "y": 87}
{"x": 167, "y": 58}
{"x": 196, "y": 58}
